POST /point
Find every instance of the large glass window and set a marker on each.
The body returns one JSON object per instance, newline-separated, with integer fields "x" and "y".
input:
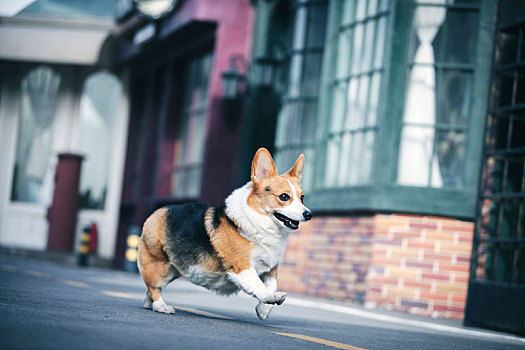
{"x": 296, "y": 129}
{"x": 98, "y": 108}
{"x": 39, "y": 94}
{"x": 356, "y": 90}
{"x": 190, "y": 141}
{"x": 439, "y": 93}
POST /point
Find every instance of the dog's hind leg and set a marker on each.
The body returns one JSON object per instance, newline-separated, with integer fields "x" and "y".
{"x": 156, "y": 272}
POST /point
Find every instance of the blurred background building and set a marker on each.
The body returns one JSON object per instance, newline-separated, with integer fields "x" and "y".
{"x": 409, "y": 114}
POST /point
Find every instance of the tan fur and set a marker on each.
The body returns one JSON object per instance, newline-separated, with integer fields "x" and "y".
{"x": 155, "y": 266}
{"x": 273, "y": 272}
{"x": 232, "y": 248}
{"x": 265, "y": 196}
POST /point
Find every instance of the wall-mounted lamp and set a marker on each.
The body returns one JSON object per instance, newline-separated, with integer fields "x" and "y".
{"x": 233, "y": 79}
{"x": 264, "y": 70}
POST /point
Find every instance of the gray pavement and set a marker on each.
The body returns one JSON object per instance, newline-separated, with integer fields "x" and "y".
{"x": 44, "y": 305}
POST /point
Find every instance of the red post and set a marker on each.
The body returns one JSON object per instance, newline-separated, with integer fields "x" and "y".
{"x": 62, "y": 214}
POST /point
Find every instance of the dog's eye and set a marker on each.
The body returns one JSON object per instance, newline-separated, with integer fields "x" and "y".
{"x": 302, "y": 198}
{"x": 284, "y": 197}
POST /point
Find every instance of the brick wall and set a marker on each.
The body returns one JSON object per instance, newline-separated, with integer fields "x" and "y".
{"x": 402, "y": 262}
{"x": 329, "y": 258}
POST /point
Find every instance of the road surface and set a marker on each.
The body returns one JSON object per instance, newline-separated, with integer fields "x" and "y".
{"x": 44, "y": 305}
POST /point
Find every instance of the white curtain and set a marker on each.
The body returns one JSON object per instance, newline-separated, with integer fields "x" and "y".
{"x": 420, "y": 108}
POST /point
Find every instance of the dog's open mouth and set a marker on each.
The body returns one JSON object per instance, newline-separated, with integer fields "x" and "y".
{"x": 294, "y": 225}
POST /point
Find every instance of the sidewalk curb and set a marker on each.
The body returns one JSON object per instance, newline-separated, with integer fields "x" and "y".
{"x": 64, "y": 258}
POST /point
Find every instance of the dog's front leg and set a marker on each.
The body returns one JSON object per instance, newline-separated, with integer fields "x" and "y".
{"x": 251, "y": 284}
{"x": 262, "y": 309}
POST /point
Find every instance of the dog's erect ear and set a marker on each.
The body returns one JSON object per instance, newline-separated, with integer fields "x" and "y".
{"x": 297, "y": 168}
{"x": 262, "y": 166}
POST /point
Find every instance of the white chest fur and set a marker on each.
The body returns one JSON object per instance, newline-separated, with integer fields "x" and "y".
{"x": 267, "y": 234}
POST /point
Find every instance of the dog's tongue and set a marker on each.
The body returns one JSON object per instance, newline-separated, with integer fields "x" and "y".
{"x": 294, "y": 225}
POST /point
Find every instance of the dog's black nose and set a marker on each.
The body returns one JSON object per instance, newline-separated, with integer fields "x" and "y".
{"x": 307, "y": 215}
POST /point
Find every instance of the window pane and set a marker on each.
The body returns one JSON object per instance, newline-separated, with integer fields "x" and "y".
{"x": 316, "y": 26}
{"x": 311, "y": 73}
{"x": 380, "y": 43}
{"x": 297, "y": 122}
{"x": 366, "y": 59}
{"x": 357, "y": 48}
{"x": 415, "y": 155}
{"x": 98, "y": 107}
{"x": 344, "y": 52}
{"x": 338, "y": 111}
{"x": 32, "y": 178}
{"x": 373, "y": 101}
{"x": 432, "y": 150}
{"x": 454, "y": 89}
{"x": 189, "y": 146}
{"x": 356, "y": 93}
{"x": 450, "y": 151}
{"x": 459, "y": 34}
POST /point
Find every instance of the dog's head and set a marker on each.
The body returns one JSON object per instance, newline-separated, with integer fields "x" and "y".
{"x": 278, "y": 196}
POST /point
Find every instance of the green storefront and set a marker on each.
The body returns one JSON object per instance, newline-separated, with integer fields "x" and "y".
{"x": 388, "y": 100}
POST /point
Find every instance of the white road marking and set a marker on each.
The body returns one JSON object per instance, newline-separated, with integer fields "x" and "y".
{"x": 397, "y": 320}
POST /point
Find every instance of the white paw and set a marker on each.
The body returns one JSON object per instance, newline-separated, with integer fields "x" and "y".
{"x": 275, "y": 298}
{"x": 147, "y": 302}
{"x": 263, "y": 311}
{"x": 160, "y": 306}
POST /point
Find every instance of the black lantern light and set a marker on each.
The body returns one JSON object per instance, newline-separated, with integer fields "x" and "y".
{"x": 233, "y": 79}
{"x": 264, "y": 71}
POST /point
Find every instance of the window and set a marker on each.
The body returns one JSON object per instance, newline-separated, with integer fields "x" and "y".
{"x": 298, "y": 118}
{"x": 190, "y": 141}
{"x": 98, "y": 107}
{"x": 438, "y": 96}
{"x": 33, "y": 174}
{"x": 400, "y": 108}
{"x": 356, "y": 88}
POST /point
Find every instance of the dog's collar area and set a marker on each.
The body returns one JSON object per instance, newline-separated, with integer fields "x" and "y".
{"x": 293, "y": 224}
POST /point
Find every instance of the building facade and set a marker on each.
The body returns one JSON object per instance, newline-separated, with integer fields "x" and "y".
{"x": 388, "y": 101}
{"x": 182, "y": 146}
{"x": 59, "y": 95}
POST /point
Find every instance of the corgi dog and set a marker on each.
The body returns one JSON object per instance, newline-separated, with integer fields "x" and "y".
{"x": 232, "y": 247}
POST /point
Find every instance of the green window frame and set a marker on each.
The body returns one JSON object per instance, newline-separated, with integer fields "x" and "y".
{"x": 296, "y": 125}
{"x": 191, "y": 136}
{"x": 382, "y": 190}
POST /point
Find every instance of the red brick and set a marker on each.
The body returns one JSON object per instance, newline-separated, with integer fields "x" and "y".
{"x": 412, "y": 263}
{"x": 439, "y": 236}
{"x": 415, "y": 284}
{"x": 435, "y": 276}
{"x": 464, "y": 248}
{"x": 464, "y": 258}
{"x": 401, "y": 292}
{"x": 375, "y": 289}
{"x": 459, "y": 299}
{"x": 453, "y": 268}
{"x": 461, "y": 279}
{"x": 423, "y": 225}
{"x": 466, "y": 239}
{"x": 433, "y": 296}
{"x": 383, "y": 280}
{"x": 439, "y": 256}
{"x": 401, "y": 235}
{"x": 448, "y": 308}
{"x": 458, "y": 228}
{"x": 415, "y": 244}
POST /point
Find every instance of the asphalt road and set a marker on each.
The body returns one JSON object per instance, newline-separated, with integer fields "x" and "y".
{"x": 48, "y": 306}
